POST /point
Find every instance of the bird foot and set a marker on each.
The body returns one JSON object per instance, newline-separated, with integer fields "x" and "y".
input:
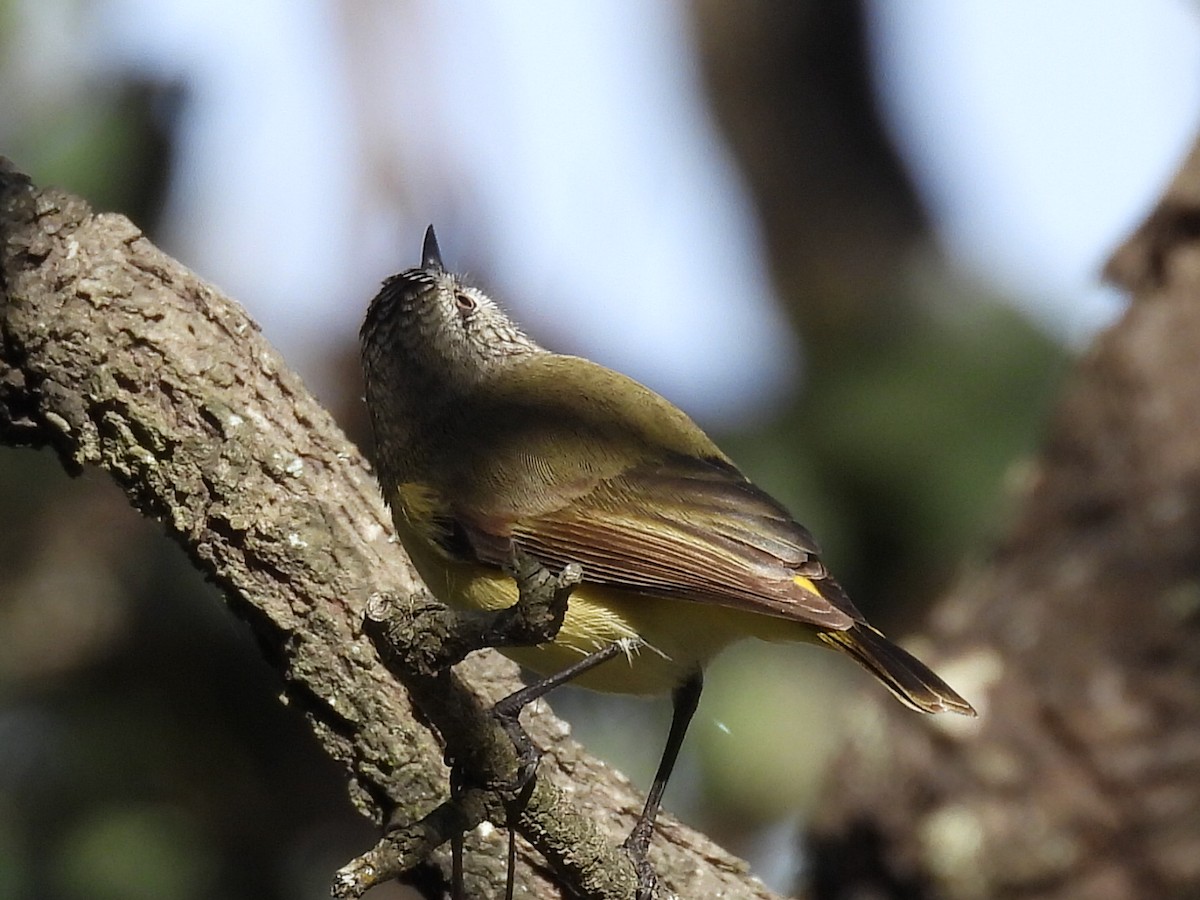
{"x": 507, "y": 713}
{"x": 636, "y": 847}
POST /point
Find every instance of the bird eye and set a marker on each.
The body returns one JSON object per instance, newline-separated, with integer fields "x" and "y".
{"x": 464, "y": 302}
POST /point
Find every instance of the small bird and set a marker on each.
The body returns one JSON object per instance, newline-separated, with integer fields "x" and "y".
{"x": 489, "y": 444}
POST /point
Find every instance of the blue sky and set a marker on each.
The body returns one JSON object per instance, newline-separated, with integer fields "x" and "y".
{"x": 1039, "y": 132}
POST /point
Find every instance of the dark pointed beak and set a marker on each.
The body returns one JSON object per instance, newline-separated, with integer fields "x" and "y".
{"x": 431, "y": 254}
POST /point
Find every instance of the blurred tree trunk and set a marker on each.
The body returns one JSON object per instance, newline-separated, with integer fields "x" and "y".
{"x": 1081, "y": 639}
{"x": 790, "y": 86}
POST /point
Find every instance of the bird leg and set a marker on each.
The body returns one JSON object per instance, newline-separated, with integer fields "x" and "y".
{"x": 536, "y": 620}
{"x": 685, "y": 699}
{"x": 508, "y": 710}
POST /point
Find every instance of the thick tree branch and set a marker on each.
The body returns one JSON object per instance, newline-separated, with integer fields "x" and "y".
{"x": 118, "y": 357}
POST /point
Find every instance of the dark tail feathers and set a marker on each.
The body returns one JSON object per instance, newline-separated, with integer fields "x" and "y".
{"x": 913, "y": 683}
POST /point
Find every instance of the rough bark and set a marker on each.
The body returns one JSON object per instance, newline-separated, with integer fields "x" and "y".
{"x": 118, "y": 357}
{"x": 1079, "y": 641}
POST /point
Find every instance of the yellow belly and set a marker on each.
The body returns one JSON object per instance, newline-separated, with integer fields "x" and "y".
{"x": 672, "y": 638}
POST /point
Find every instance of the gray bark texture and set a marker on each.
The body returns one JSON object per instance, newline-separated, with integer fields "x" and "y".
{"x": 1079, "y": 641}
{"x": 118, "y": 357}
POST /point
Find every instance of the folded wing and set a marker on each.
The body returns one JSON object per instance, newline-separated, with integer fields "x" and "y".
{"x": 681, "y": 527}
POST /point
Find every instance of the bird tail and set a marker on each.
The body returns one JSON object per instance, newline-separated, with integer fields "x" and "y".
{"x": 913, "y": 683}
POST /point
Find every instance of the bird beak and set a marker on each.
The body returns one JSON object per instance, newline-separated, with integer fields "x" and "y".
{"x": 431, "y": 254}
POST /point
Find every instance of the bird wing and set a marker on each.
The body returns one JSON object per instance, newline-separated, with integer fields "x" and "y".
{"x": 680, "y": 527}
{"x": 574, "y": 463}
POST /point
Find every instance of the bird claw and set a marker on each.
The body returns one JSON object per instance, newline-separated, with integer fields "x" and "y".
{"x": 636, "y": 847}
{"x": 507, "y": 716}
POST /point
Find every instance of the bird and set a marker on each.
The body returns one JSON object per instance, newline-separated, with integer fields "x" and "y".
{"x": 488, "y": 444}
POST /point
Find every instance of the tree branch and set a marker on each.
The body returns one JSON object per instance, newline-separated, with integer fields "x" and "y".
{"x": 118, "y": 357}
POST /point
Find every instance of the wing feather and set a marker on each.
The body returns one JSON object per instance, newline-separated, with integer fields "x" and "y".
{"x": 684, "y": 528}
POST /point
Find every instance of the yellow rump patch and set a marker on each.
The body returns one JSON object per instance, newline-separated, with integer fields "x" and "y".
{"x": 806, "y": 583}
